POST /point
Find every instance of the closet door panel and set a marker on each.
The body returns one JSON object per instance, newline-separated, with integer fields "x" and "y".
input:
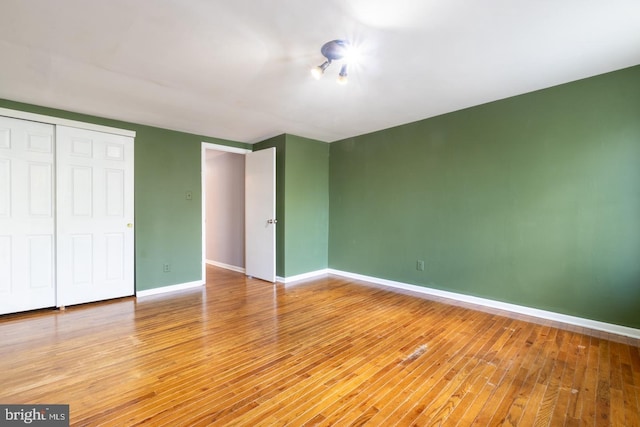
{"x": 27, "y": 206}
{"x": 95, "y": 215}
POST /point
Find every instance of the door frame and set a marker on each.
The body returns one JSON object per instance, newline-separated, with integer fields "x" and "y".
{"x": 203, "y": 168}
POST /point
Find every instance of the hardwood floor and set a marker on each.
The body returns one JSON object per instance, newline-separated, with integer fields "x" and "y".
{"x": 327, "y": 352}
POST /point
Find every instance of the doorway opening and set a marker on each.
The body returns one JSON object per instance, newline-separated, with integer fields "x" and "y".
{"x": 223, "y": 207}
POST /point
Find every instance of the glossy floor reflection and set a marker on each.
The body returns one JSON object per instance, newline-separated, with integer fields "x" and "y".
{"x": 328, "y": 351}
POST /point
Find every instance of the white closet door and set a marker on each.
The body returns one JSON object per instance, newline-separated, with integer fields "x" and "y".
{"x": 95, "y": 216}
{"x": 27, "y": 268}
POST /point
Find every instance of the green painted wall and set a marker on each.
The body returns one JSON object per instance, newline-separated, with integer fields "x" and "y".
{"x": 532, "y": 200}
{"x": 307, "y": 205}
{"x": 168, "y": 228}
{"x": 302, "y": 203}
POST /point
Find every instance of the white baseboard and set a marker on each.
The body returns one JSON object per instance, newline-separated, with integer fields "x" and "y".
{"x": 225, "y": 266}
{"x": 166, "y": 289}
{"x": 304, "y": 276}
{"x": 542, "y": 314}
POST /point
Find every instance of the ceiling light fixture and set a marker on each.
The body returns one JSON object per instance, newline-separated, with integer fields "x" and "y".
{"x": 334, "y": 50}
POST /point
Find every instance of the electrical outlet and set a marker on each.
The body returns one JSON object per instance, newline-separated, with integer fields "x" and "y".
{"x": 188, "y": 195}
{"x": 166, "y": 268}
{"x": 420, "y": 265}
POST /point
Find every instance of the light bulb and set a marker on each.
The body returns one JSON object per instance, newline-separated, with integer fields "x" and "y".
{"x": 318, "y": 71}
{"x": 342, "y": 77}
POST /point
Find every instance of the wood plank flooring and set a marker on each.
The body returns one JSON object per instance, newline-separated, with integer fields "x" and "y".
{"x": 328, "y": 352}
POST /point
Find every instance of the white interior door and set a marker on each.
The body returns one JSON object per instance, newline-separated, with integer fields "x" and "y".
{"x": 27, "y": 262}
{"x": 260, "y": 214}
{"x": 95, "y": 216}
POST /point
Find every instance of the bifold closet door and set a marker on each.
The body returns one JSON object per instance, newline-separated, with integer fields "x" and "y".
{"x": 27, "y": 268}
{"x": 95, "y": 235}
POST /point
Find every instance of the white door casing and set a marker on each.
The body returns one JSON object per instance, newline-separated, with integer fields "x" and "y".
{"x": 27, "y": 206}
{"x": 205, "y": 146}
{"x": 260, "y": 214}
{"x": 95, "y": 235}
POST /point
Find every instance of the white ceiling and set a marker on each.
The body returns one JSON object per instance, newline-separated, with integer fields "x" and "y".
{"x": 239, "y": 69}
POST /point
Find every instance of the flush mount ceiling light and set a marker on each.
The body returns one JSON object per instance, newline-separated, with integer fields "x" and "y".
{"x": 334, "y": 50}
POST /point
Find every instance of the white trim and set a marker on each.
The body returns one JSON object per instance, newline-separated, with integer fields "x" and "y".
{"x": 304, "y": 276}
{"x": 203, "y": 185}
{"x": 64, "y": 122}
{"x": 225, "y": 266}
{"x": 543, "y": 314}
{"x": 167, "y": 289}
{"x": 228, "y": 149}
